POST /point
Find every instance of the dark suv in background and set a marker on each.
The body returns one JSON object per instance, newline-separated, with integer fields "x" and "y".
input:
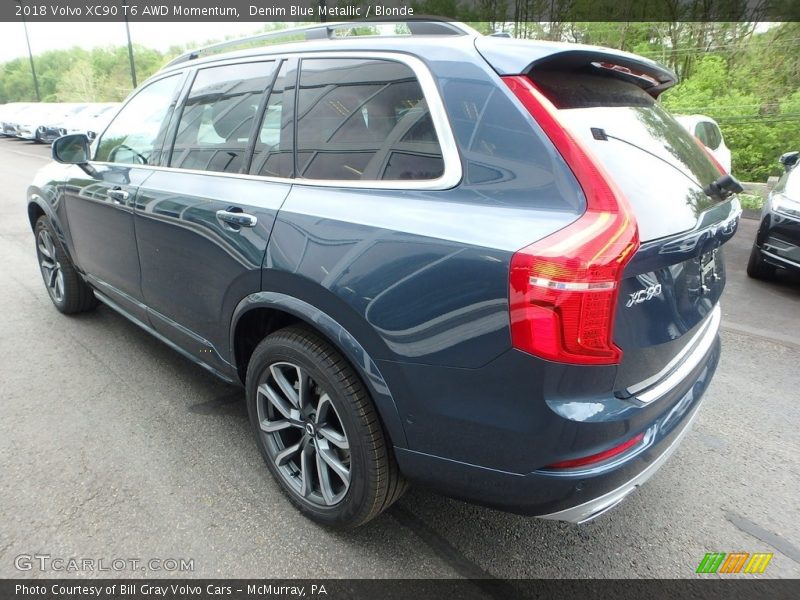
{"x": 486, "y": 265}
{"x": 777, "y": 243}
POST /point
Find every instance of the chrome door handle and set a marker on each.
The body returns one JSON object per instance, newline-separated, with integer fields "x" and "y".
{"x": 118, "y": 196}
{"x": 237, "y": 219}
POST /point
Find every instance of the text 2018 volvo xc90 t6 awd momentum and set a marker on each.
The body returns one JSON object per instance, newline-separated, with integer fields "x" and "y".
{"x": 485, "y": 265}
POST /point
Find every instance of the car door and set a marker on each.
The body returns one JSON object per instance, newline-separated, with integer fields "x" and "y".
{"x": 202, "y": 223}
{"x": 100, "y": 196}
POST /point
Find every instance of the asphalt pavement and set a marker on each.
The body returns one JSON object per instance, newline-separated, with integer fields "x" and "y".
{"x": 113, "y": 446}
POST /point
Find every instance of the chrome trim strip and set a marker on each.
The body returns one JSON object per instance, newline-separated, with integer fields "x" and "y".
{"x": 697, "y": 351}
{"x": 450, "y": 156}
{"x": 594, "y": 508}
{"x": 712, "y": 323}
{"x": 778, "y": 259}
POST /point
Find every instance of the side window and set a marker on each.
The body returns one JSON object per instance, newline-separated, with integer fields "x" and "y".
{"x": 361, "y": 119}
{"x": 494, "y": 137}
{"x": 701, "y": 134}
{"x": 219, "y": 115}
{"x": 136, "y": 134}
{"x": 714, "y": 136}
{"x": 273, "y": 153}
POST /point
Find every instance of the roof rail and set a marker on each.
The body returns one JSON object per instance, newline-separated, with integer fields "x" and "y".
{"x": 321, "y": 31}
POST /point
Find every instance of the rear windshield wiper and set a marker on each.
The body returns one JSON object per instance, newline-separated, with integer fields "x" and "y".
{"x": 719, "y": 189}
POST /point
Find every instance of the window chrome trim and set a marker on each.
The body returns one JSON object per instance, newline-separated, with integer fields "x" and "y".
{"x": 451, "y": 158}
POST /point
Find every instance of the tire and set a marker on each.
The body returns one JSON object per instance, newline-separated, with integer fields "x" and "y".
{"x": 325, "y": 444}
{"x": 757, "y": 267}
{"x": 66, "y": 288}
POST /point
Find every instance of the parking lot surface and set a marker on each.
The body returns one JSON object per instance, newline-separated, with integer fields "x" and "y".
{"x": 114, "y": 446}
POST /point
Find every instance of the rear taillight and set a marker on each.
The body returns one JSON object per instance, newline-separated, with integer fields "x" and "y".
{"x": 710, "y": 156}
{"x": 563, "y": 288}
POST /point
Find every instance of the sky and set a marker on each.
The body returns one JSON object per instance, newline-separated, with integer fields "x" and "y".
{"x": 53, "y": 36}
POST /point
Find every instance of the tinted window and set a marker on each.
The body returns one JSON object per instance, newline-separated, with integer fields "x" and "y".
{"x": 713, "y": 135}
{"x": 656, "y": 163}
{"x": 700, "y": 132}
{"x": 136, "y": 134}
{"x": 273, "y": 155}
{"x": 502, "y": 152}
{"x": 219, "y": 117}
{"x": 364, "y": 120}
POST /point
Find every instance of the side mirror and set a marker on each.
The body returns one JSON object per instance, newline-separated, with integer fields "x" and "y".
{"x": 71, "y": 149}
{"x": 91, "y": 135}
{"x": 789, "y": 159}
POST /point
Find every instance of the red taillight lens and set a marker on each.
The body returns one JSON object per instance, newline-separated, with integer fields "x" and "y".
{"x": 599, "y": 457}
{"x": 710, "y": 156}
{"x": 563, "y": 289}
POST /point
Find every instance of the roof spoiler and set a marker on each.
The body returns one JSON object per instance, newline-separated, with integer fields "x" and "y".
{"x": 521, "y": 57}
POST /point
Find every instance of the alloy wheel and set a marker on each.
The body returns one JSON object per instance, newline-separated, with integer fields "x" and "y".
{"x": 304, "y": 435}
{"x": 50, "y": 266}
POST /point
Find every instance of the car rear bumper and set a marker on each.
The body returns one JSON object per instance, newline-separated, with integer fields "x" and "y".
{"x": 587, "y": 511}
{"x": 578, "y": 494}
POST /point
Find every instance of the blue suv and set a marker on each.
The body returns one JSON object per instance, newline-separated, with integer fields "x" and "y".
{"x": 488, "y": 266}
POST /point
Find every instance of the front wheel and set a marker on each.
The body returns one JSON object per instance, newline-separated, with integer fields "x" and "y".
{"x": 757, "y": 267}
{"x": 318, "y": 431}
{"x": 67, "y": 290}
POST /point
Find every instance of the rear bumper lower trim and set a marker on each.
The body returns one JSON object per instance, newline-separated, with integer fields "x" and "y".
{"x": 594, "y": 508}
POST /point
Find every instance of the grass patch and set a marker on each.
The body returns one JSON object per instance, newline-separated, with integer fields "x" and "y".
{"x": 751, "y": 201}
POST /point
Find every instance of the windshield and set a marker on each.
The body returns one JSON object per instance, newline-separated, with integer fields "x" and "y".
{"x": 792, "y": 184}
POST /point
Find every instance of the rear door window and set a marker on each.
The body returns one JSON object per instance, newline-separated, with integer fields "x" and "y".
{"x": 219, "y": 115}
{"x": 273, "y": 155}
{"x": 363, "y": 119}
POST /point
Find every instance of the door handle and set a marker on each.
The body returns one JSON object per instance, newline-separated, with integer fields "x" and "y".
{"x": 118, "y": 196}
{"x": 237, "y": 219}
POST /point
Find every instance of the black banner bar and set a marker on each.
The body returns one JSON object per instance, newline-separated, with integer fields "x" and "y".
{"x": 734, "y": 588}
{"x": 496, "y": 11}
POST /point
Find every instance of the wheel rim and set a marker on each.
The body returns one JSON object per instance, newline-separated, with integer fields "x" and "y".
{"x": 304, "y": 435}
{"x": 51, "y": 268}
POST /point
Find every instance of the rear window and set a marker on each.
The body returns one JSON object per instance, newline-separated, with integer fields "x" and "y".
{"x": 655, "y": 162}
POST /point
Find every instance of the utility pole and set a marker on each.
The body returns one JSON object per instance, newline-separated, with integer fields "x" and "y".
{"x": 130, "y": 46}
{"x": 30, "y": 54}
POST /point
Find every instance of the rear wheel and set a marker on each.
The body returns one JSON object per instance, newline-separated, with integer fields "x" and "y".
{"x": 757, "y": 267}
{"x": 67, "y": 290}
{"x": 318, "y": 430}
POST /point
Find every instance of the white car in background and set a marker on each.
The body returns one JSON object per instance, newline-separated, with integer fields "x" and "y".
{"x": 707, "y": 131}
{"x": 91, "y": 121}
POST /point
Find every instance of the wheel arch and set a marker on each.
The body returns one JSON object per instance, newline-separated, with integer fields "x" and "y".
{"x": 35, "y": 211}
{"x": 269, "y": 311}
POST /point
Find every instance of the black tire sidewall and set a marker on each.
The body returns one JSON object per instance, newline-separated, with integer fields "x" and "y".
{"x": 757, "y": 267}
{"x": 278, "y": 348}
{"x": 44, "y": 224}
